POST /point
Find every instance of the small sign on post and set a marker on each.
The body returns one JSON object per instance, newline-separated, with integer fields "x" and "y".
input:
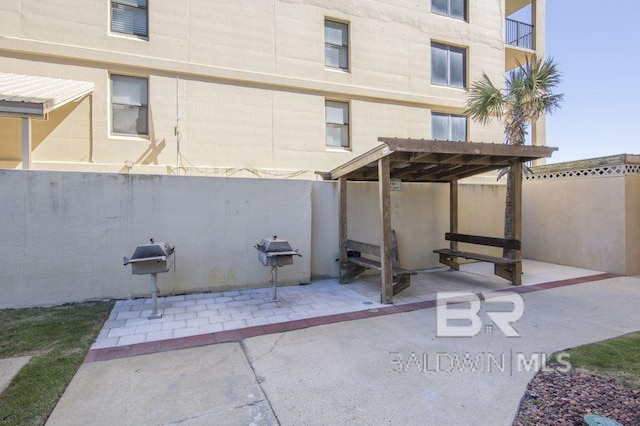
{"x": 396, "y": 184}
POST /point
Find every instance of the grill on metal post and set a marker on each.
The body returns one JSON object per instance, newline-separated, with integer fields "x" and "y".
{"x": 151, "y": 259}
{"x": 275, "y": 253}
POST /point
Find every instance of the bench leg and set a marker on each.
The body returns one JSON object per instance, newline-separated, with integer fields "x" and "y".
{"x": 511, "y": 272}
{"x": 450, "y": 261}
{"x": 348, "y": 271}
{"x": 404, "y": 282}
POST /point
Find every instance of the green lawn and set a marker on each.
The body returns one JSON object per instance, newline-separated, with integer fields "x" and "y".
{"x": 619, "y": 357}
{"x": 58, "y": 338}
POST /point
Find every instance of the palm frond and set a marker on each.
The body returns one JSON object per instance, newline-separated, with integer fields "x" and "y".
{"x": 485, "y": 101}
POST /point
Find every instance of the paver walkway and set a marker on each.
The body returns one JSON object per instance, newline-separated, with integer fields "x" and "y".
{"x": 204, "y": 318}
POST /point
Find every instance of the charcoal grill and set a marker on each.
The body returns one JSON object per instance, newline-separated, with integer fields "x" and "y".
{"x": 275, "y": 253}
{"x": 152, "y": 259}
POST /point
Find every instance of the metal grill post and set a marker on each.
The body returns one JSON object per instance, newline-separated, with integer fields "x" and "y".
{"x": 274, "y": 283}
{"x": 154, "y": 297}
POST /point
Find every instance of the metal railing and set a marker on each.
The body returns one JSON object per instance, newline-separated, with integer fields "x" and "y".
{"x": 519, "y": 34}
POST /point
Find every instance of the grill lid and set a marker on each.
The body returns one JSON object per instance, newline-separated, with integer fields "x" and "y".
{"x": 150, "y": 252}
{"x": 274, "y": 245}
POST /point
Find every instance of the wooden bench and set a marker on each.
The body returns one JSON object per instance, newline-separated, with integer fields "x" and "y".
{"x": 358, "y": 264}
{"x": 505, "y": 267}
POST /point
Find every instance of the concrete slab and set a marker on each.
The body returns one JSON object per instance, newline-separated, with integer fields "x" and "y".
{"x": 374, "y": 371}
{"x": 198, "y": 386}
{"x": 9, "y": 368}
{"x": 390, "y": 369}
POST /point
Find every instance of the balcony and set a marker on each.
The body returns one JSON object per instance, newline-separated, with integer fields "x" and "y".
{"x": 519, "y": 34}
{"x": 519, "y": 42}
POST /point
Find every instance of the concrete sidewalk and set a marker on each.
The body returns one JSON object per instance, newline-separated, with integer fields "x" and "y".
{"x": 368, "y": 371}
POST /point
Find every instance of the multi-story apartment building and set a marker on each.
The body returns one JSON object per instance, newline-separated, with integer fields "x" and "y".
{"x": 274, "y": 88}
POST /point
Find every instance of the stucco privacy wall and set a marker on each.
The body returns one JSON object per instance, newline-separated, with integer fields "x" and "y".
{"x": 585, "y": 222}
{"x": 632, "y": 225}
{"x": 64, "y": 234}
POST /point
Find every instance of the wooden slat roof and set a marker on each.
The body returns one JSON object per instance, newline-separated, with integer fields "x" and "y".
{"x": 421, "y": 160}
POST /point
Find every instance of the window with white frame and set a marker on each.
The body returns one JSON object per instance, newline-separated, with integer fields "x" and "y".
{"x": 336, "y": 45}
{"x": 452, "y": 8}
{"x": 337, "y": 122}
{"x": 448, "y": 127}
{"x": 130, "y": 17}
{"x": 448, "y": 65}
{"x": 129, "y": 105}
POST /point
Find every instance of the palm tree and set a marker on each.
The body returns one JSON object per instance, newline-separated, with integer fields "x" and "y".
{"x": 528, "y": 94}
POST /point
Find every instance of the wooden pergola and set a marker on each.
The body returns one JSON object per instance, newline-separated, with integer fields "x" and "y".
{"x": 419, "y": 160}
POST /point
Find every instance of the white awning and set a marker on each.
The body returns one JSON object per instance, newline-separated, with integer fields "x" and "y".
{"x": 30, "y": 96}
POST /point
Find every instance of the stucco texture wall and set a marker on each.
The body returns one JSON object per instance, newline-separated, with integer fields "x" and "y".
{"x": 249, "y": 78}
{"x": 582, "y": 222}
{"x": 64, "y": 234}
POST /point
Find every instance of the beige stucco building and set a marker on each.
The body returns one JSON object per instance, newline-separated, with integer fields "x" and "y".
{"x": 273, "y": 88}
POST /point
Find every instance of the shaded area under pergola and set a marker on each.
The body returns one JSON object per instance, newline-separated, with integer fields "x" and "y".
{"x": 419, "y": 160}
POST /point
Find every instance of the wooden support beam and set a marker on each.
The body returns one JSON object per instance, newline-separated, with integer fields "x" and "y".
{"x": 386, "y": 295}
{"x": 513, "y": 272}
{"x": 453, "y": 219}
{"x": 516, "y": 166}
{"x": 342, "y": 228}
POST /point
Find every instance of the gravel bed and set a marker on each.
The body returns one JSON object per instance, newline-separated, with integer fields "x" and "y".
{"x": 564, "y": 398}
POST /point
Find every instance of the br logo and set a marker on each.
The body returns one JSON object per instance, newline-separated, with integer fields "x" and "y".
{"x": 457, "y": 313}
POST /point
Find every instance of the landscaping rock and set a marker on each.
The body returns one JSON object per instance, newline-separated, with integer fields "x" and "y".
{"x": 564, "y": 398}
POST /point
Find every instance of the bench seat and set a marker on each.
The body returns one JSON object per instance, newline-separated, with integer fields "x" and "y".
{"x": 477, "y": 256}
{"x": 375, "y": 264}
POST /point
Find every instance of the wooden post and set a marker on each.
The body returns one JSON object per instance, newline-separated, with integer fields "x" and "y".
{"x": 384, "y": 179}
{"x": 517, "y": 220}
{"x": 26, "y": 143}
{"x": 513, "y": 272}
{"x": 342, "y": 227}
{"x": 453, "y": 220}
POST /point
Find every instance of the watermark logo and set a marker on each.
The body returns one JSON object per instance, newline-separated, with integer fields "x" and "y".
{"x": 457, "y": 313}
{"x": 479, "y": 362}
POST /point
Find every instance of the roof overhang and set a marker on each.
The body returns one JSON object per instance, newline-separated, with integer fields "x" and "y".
{"x": 30, "y": 96}
{"x": 420, "y": 160}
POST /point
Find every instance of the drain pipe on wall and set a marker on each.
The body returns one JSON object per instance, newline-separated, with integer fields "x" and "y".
{"x": 177, "y": 128}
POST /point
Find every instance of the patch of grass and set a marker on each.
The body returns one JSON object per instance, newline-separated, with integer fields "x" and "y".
{"x": 58, "y": 338}
{"x": 618, "y": 357}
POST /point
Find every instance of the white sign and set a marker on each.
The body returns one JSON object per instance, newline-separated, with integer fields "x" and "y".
{"x": 396, "y": 184}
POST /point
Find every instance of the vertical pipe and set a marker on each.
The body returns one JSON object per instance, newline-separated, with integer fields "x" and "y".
{"x": 26, "y": 143}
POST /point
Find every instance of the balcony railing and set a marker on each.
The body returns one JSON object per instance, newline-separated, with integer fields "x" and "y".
{"x": 519, "y": 34}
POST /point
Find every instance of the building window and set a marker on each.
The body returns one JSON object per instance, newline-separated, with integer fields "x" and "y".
{"x": 448, "y": 65}
{"x": 337, "y": 118}
{"x": 453, "y": 8}
{"x": 129, "y": 17}
{"x": 129, "y": 105}
{"x": 336, "y": 45}
{"x": 448, "y": 127}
